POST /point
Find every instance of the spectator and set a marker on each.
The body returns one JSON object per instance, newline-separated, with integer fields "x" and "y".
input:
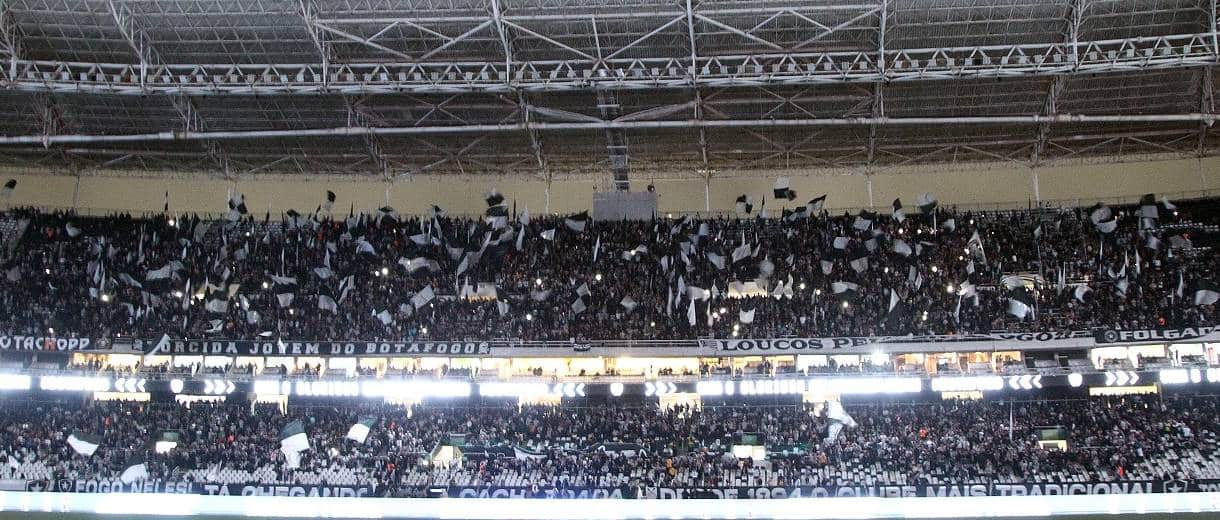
{"x": 1135, "y": 438}
{"x": 97, "y": 282}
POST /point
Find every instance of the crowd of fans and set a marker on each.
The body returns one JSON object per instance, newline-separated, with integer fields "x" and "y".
{"x": 123, "y": 275}
{"x": 1107, "y": 439}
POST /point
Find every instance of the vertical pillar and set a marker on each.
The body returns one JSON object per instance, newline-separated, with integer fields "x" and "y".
{"x": 868, "y": 181}
{"x": 707, "y": 190}
{"x": 1202, "y": 176}
{"x": 76, "y": 193}
{"x": 1033, "y": 178}
{"x": 547, "y": 209}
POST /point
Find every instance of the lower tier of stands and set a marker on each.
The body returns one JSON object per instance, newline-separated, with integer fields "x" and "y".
{"x": 633, "y": 449}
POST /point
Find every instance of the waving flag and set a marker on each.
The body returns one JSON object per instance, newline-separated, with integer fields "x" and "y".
{"x": 359, "y": 432}
{"x": 744, "y": 205}
{"x": 839, "y": 419}
{"x": 783, "y": 189}
{"x": 577, "y": 222}
{"x": 136, "y": 471}
{"x": 83, "y": 443}
{"x": 7, "y": 192}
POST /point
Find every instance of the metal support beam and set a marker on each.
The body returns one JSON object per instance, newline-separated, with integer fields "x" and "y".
{"x": 616, "y": 140}
{"x": 1074, "y": 119}
{"x": 547, "y": 16}
{"x": 53, "y": 121}
{"x": 690, "y": 33}
{"x": 139, "y": 41}
{"x": 744, "y": 34}
{"x": 1049, "y": 108}
{"x": 523, "y": 106}
{"x": 308, "y": 9}
{"x": 1174, "y": 135}
{"x": 702, "y": 131}
{"x": 357, "y": 114}
{"x": 192, "y": 122}
{"x": 504, "y": 39}
{"x": 563, "y": 115}
{"x": 365, "y": 41}
{"x": 1071, "y": 41}
{"x": 50, "y": 116}
{"x": 10, "y": 38}
{"x": 359, "y": 118}
{"x": 646, "y": 69}
{"x": 832, "y": 30}
{"x": 882, "y": 27}
{"x": 878, "y": 108}
{"x": 676, "y": 20}
{"x": 1207, "y": 105}
{"x": 1211, "y": 21}
{"x": 698, "y": 103}
{"x": 535, "y": 140}
{"x": 654, "y": 113}
{"x": 136, "y": 37}
{"x": 1207, "y": 98}
{"x": 878, "y": 112}
{"x": 459, "y": 38}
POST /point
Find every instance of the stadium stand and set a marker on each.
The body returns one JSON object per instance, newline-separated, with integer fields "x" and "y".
{"x": 673, "y": 320}
{"x": 951, "y": 442}
{"x": 387, "y": 277}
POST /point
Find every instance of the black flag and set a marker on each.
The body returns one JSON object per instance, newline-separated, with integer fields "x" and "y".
{"x": 745, "y": 205}
{"x": 494, "y": 198}
{"x": 815, "y": 205}
{"x": 899, "y": 314}
{"x": 1021, "y": 303}
{"x": 783, "y": 189}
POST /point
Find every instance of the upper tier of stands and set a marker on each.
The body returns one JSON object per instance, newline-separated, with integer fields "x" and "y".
{"x": 387, "y": 277}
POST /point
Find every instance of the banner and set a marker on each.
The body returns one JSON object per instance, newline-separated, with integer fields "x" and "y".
{"x": 996, "y": 341}
{"x": 662, "y": 493}
{"x": 295, "y": 490}
{"x": 45, "y": 344}
{"x": 195, "y": 488}
{"x": 1205, "y": 333}
{"x": 316, "y": 348}
{"x": 869, "y": 344}
{"x": 762, "y": 492}
{"x": 65, "y": 485}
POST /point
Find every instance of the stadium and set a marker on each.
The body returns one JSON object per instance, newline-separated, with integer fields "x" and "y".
{"x": 533, "y": 259}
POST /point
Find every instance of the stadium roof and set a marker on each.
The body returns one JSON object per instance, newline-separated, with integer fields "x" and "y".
{"x": 595, "y": 87}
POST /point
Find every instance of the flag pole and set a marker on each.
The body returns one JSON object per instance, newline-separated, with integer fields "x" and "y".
{"x": 1010, "y": 421}
{"x": 1041, "y": 267}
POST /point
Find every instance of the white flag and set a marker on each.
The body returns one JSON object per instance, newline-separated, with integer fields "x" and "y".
{"x": 134, "y": 473}
{"x": 83, "y": 444}
{"x": 629, "y": 303}
{"x": 423, "y": 297}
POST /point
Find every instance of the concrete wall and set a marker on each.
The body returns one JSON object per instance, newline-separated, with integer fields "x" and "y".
{"x": 981, "y": 186}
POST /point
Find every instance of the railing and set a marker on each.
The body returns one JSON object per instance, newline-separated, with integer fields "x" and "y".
{"x": 494, "y": 376}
